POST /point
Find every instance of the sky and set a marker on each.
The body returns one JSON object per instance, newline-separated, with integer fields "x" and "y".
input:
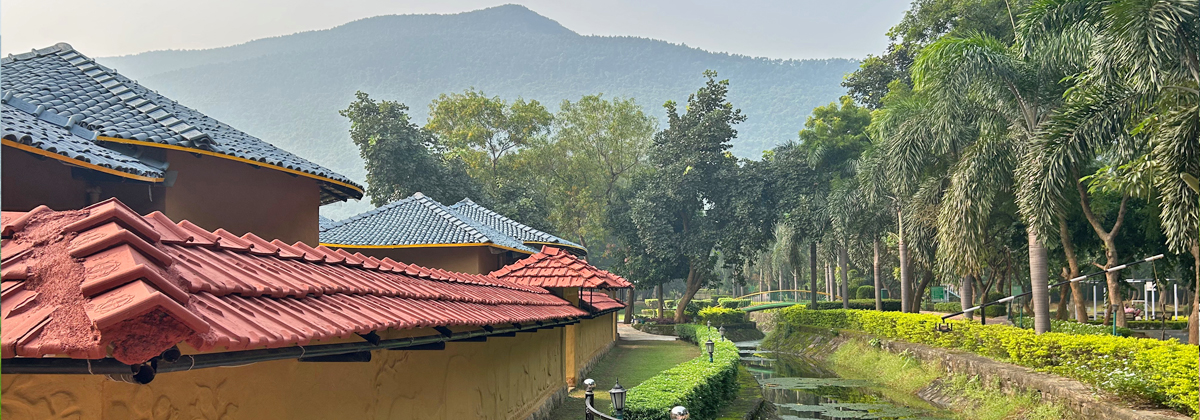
{"x": 763, "y": 28}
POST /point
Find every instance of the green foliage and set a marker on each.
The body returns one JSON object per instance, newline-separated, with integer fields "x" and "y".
{"x": 948, "y": 307}
{"x": 1160, "y": 372}
{"x": 669, "y": 303}
{"x": 865, "y": 292}
{"x": 402, "y": 158}
{"x": 1156, "y": 325}
{"x": 697, "y": 384}
{"x": 693, "y": 308}
{"x": 722, "y": 316}
{"x": 653, "y": 303}
{"x": 1070, "y": 327}
{"x": 734, "y": 303}
{"x": 866, "y": 304}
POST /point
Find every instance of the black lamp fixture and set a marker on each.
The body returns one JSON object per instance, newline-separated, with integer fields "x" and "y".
{"x": 722, "y": 331}
{"x": 710, "y": 346}
{"x": 618, "y": 400}
{"x": 710, "y": 325}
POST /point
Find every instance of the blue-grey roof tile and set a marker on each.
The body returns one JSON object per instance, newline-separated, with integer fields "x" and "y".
{"x": 416, "y": 220}
{"x": 68, "y": 83}
{"x": 60, "y": 135}
{"x": 324, "y": 223}
{"x": 510, "y": 227}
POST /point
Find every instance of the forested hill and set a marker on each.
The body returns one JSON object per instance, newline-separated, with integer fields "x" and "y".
{"x": 287, "y": 90}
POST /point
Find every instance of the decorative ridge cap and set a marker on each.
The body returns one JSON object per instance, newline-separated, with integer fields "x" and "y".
{"x": 71, "y": 124}
{"x": 369, "y": 213}
{"x": 445, "y": 212}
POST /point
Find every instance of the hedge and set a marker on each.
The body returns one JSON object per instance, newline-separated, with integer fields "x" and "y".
{"x": 1149, "y": 324}
{"x": 948, "y": 307}
{"x": 1070, "y": 327}
{"x": 700, "y": 386}
{"x": 734, "y": 303}
{"x": 653, "y": 303}
{"x": 869, "y": 304}
{"x": 865, "y": 292}
{"x": 1161, "y": 372}
{"x": 722, "y": 316}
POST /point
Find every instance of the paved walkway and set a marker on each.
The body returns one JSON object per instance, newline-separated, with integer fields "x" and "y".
{"x": 627, "y": 333}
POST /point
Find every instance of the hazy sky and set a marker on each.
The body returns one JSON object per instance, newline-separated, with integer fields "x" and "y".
{"x": 770, "y": 28}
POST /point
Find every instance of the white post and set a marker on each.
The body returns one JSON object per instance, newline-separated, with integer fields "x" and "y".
{"x": 1095, "y": 313}
{"x": 1145, "y": 299}
{"x": 1176, "y": 302}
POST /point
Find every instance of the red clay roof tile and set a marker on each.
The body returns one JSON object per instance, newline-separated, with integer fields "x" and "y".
{"x": 598, "y": 302}
{"x": 553, "y": 267}
{"x": 141, "y": 287}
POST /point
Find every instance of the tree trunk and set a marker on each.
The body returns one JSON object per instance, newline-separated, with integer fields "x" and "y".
{"x": 919, "y": 293}
{"x": 694, "y": 280}
{"x": 1110, "y": 251}
{"x": 842, "y": 257}
{"x": 812, "y": 264}
{"x": 906, "y": 297}
{"x": 1039, "y": 282}
{"x": 878, "y": 279}
{"x": 964, "y": 295}
{"x": 1064, "y": 294}
{"x": 629, "y": 306}
{"x": 829, "y": 281}
{"x": 658, "y": 291}
{"x": 1073, "y": 271}
{"x": 795, "y": 284}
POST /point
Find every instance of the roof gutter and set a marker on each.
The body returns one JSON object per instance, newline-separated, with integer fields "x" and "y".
{"x": 172, "y": 361}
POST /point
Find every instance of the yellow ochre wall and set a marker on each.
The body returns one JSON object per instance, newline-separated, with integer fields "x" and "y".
{"x": 593, "y": 338}
{"x": 503, "y": 378}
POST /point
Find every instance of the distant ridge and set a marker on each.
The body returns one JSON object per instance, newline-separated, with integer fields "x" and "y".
{"x": 287, "y": 89}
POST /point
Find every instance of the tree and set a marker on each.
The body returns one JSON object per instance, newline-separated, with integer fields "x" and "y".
{"x": 686, "y": 202}
{"x": 597, "y": 146}
{"x": 488, "y": 134}
{"x": 401, "y": 157}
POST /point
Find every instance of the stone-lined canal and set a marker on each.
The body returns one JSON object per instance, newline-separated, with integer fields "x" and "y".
{"x": 802, "y": 389}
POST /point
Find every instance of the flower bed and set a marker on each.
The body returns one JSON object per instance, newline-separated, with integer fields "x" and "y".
{"x": 1160, "y": 372}
{"x": 697, "y": 384}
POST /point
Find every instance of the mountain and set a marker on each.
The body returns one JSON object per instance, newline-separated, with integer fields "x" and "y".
{"x": 287, "y": 90}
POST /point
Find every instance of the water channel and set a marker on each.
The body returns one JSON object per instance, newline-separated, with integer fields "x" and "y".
{"x": 802, "y": 389}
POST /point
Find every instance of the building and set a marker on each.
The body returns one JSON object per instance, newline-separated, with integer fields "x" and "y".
{"x": 160, "y": 264}
{"x": 465, "y": 237}
{"x": 585, "y": 286}
{"x": 76, "y": 133}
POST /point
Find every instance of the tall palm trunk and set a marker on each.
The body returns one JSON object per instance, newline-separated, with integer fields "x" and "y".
{"x": 842, "y": 257}
{"x": 658, "y": 293}
{"x": 1194, "y": 317}
{"x": 1039, "y": 282}
{"x": 795, "y": 284}
{"x": 878, "y": 279}
{"x": 829, "y": 281}
{"x": 812, "y": 263}
{"x": 964, "y": 295}
{"x": 1073, "y": 271}
{"x": 905, "y": 274}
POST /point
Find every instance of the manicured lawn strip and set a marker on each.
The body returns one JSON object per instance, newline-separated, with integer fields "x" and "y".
{"x": 1160, "y": 372}
{"x": 631, "y": 362}
{"x": 701, "y": 386}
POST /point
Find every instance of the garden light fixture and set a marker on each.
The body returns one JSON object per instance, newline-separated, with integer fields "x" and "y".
{"x": 709, "y": 345}
{"x": 618, "y": 400}
{"x": 722, "y": 331}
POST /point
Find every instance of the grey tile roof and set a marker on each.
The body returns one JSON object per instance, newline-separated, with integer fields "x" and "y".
{"x": 24, "y": 123}
{"x": 73, "y": 86}
{"x": 509, "y": 227}
{"x": 324, "y": 223}
{"x": 416, "y": 220}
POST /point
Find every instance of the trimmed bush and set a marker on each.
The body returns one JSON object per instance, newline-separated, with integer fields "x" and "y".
{"x": 700, "y": 386}
{"x": 669, "y": 303}
{"x": 948, "y": 307}
{"x": 734, "y": 303}
{"x": 694, "y": 307}
{"x": 865, "y": 292}
{"x": 1069, "y": 327}
{"x": 722, "y": 316}
{"x": 1160, "y": 372}
{"x": 1158, "y": 325}
{"x": 716, "y": 299}
{"x": 650, "y": 312}
{"x": 653, "y": 303}
{"x": 865, "y": 304}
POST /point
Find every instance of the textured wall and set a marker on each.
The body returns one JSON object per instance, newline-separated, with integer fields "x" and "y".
{"x": 593, "y": 338}
{"x": 503, "y": 378}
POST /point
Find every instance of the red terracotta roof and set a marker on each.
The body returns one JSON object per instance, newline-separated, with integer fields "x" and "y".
{"x": 75, "y": 282}
{"x": 554, "y": 267}
{"x": 598, "y": 302}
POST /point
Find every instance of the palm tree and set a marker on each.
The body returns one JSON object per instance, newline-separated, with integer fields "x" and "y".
{"x": 1135, "y": 102}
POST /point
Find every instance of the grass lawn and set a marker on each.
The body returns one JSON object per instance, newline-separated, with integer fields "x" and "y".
{"x": 631, "y": 362}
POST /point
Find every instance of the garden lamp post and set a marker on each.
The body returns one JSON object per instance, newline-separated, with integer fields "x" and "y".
{"x": 709, "y": 345}
{"x": 618, "y": 400}
{"x": 679, "y": 413}
{"x": 722, "y": 331}
{"x": 709, "y": 325}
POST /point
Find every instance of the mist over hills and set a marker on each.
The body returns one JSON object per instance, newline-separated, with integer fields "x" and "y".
{"x": 287, "y": 90}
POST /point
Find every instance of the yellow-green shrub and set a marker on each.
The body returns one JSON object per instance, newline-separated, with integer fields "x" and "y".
{"x": 722, "y": 316}
{"x": 697, "y": 384}
{"x": 1162, "y": 372}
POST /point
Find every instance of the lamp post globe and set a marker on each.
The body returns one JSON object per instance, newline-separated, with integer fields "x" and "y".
{"x": 618, "y": 399}
{"x": 722, "y": 331}
{"x": 710, "y": 346}
{"x": 589, "y": 383}
{"x": 679, "y": 413}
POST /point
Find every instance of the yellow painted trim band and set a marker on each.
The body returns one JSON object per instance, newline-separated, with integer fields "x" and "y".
{"x": 230, "y": 157}
{"x": 78, "y": 163}
{"x": 328, "y": 245}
